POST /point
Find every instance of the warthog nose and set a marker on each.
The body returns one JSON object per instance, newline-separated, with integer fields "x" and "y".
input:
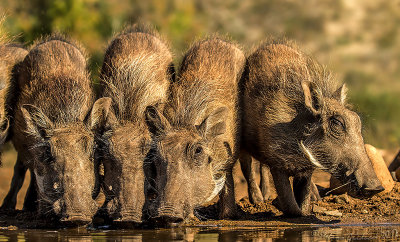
{"x": 75, "y": 219}
{"x": 127, "y": 221}
{"x": 128, "y": 217}
{"x": 167, "y": 221}
{"x": 369, "y": 192}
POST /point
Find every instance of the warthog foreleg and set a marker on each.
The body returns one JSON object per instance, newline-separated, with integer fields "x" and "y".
{"x": 302, "y": 192}
{"x": 286, "y": 198}
{"x": 31, "y": 197}
{"x": 264, "y": 182}
{"x": 247, "y": 165}
{"x": 10, "y": 201}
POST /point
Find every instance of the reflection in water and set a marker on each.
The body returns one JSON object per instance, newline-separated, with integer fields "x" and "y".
{"x": 299, "y": 233}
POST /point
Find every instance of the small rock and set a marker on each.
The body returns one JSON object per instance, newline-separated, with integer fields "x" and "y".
{"x": 364, "y": 211}
{"x": 342, "y": 199}
{"x": 335, "y": 213}
{"x": 318, "y": 209}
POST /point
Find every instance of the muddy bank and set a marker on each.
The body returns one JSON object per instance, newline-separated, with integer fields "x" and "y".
{"x": 332, "y": 210}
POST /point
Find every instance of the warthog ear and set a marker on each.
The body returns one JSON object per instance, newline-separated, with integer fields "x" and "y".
{"x": 102, "y": 116}
{"x": 341, "y": 94}
{"x": 312, "y": 97}
{"x": 213, "y": 125}
{"x": 37, "y": 123}
{"x": 4, "y": 131}
{"x": 156, "y": 122}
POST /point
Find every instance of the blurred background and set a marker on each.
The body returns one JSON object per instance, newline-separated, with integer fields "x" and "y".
{"x": 359, "y": 40}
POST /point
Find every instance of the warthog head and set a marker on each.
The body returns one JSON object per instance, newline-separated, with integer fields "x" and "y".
{"x": 123, "y": 147}
{"x": 334, "y": 141}
{"x": 63, "y": 166}
{"x": 186, "y": 171}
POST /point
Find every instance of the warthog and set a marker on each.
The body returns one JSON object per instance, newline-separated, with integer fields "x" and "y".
{"x": 49, "y": 133}
{"x": 296, "y": 119}
{"x": 136, "y": 72}
{"x": 11, "y": 55}
{"x": 195, "y": 139}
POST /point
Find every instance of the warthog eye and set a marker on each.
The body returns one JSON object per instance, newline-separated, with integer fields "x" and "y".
{"x": 197, "y": 153}
{"x": 336, "y": 124}
{"x": 198, "y": 150}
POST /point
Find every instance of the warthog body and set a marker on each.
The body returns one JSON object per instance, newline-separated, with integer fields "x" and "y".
{"x": 295, "y": 119}
{"x": 135, "y": 74}
{"x": 195, "y": 141}
{"x": 49, "y": 133}
{"x": 10, "y": 57}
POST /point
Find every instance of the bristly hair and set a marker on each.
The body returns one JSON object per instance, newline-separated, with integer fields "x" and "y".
{"x": 270, "y": 40}
{"x": 302, "y": 68}
{"x": 190, "y": 102}
{"x": 62, "y": 91}
{"x": 134, "y": 85}
{"x": 225, "y": 39}
{"x": 3, "y": 34}
{"x": 206, "y": 81}
{"x": 66, "y": 100}
{"x": 133, "y": 73}
{"x": 141, "y": 27}
{"x": 61, "y": 37}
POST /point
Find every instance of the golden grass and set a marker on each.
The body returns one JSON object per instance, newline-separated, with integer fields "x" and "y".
{"x": 3, "y": 33}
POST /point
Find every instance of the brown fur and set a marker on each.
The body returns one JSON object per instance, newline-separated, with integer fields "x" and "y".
{"x": 195, "y": 141}
{"x": 11, "y": 55}
{"x": 50, "y": 135}
{"x": 135, "y": 74}
{"x": 295, "y": 118}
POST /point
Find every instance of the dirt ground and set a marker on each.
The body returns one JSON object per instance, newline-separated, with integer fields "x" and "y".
{"x": 332, "y": 209}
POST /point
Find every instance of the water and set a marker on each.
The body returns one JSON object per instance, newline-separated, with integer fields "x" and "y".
{"x": 284, "y": 233}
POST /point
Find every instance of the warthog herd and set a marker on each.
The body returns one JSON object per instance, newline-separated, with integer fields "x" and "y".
{"x": 160, "y": 143}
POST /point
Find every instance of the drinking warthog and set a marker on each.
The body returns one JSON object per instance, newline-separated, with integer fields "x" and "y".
{"x": 49, "y": 133}
{"x": 136, "y": 72}
{"x": 295, "y": 119}
{"x": 195, "y": 140}
{"x": 11, "y": 55}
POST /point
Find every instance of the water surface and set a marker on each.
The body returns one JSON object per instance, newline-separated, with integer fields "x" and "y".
{"x": 284, "y": 233}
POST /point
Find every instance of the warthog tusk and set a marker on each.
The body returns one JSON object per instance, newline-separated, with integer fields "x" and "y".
{"x": 219, "y": 184}
{"x": 310, "y": 156}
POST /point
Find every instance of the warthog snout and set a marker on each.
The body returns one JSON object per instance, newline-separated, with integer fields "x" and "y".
{"x": 368, "y": 183}
{"x": 75, "y": 219}
{"x": 72, "y": 214}
{"x": 167, "y": 215}
{"x": 369, "y": 192}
